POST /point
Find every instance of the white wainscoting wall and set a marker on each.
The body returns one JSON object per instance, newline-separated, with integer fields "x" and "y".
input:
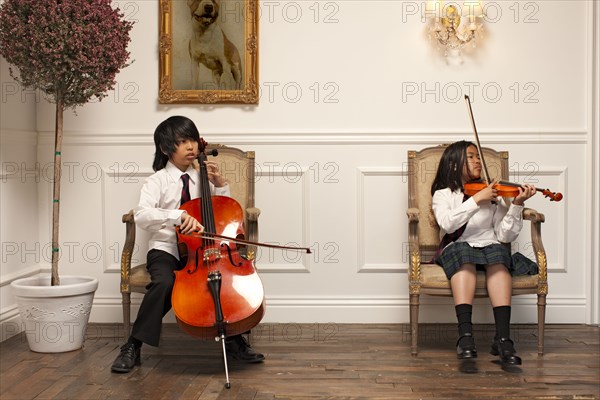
{"x": 347, "y": 88}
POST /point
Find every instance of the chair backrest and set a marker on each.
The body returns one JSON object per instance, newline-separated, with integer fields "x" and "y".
{"x": 237, "y": 167}
{"x": 422, "y": 168}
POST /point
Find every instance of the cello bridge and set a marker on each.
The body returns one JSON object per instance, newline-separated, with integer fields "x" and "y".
{"x": 211, "y": 255}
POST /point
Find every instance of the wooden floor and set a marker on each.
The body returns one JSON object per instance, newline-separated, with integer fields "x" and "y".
{"x": 319, "y": 361}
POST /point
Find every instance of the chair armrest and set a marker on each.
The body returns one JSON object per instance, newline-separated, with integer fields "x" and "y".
{"x": 533, "y": 215}
{"x": 127, "y": 253}
{"x": 414, "y": 275}
{"x": 413, "y": 233}
{"x": 537, "y": 219}
{"x": 413, "y": 215}
{"x": 253, "y": 213}
{"x": 252, "y": 229}
{"x": 249, "y": 252}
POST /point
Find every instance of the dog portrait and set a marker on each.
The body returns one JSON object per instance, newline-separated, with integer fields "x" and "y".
{"x": 208, "y": 51}
{"x": 209, "y": 46}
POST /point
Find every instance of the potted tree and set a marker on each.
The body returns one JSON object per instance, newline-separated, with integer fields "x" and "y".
{"x": 71, "y": 50}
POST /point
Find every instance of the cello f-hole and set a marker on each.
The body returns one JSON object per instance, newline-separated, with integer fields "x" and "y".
{"x": 230, "y": 255}
{"x": 196, "y": 266}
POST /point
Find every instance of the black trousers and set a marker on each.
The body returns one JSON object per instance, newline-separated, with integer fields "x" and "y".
{"x": 157, "y": 300}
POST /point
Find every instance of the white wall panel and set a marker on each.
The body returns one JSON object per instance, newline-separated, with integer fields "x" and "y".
{"x": 121, "y": 185}
{"x": 284, "y": 192}
{"x": 381, "y": 225}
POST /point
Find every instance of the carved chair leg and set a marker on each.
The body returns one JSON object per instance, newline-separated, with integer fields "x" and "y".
{"x": 414, "y": 323}
{"x": 126, "y": 314}
{"x": 541, "y": 322}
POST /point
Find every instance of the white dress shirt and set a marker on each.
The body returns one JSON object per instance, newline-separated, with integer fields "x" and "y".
{"x": 487, "y": 223}
{"x": 158, "y": 210}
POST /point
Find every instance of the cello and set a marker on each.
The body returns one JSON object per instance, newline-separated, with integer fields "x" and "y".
{"x": 218, "y": 292}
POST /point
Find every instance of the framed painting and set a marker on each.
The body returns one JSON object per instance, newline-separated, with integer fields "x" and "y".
{"x": 208, "y": 51}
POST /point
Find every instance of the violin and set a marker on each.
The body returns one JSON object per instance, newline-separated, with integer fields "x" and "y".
{"x": 507, "y": 189}
{"x": 504, "y": 188}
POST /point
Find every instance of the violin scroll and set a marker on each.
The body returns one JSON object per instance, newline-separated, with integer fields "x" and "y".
{"x": 553, "y": 196}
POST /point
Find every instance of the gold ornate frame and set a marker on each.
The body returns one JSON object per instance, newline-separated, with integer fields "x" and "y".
{"x": 248, "y": 94}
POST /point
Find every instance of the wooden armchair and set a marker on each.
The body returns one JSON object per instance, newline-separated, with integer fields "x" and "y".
{"x": 423, "y": 235}
{"x": 235, "y": 165}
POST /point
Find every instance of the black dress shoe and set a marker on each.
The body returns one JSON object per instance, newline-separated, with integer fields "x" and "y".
{"x": 505, "y": 348}
{"x": 127, "y": 358}
{"x": 238, "y": 349}
{"x": 465, "y": 347}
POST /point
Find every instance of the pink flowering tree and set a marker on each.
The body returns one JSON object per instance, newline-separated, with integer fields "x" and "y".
{"x": 71, "y": 50}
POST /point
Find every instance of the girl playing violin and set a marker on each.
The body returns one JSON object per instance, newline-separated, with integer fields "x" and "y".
{"x": 473, "y": 230}
{"x": 176, "y": 142}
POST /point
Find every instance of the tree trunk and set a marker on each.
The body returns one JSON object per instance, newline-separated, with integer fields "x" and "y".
{"x": 58, "y": 132}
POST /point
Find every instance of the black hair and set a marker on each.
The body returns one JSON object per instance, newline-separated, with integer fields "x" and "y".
{"x": 450, "y": 171}
{"x": 168, "y": 135}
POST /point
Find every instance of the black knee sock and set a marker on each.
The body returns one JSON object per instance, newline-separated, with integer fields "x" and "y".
{"x": 137, "y": 343}
{"x": 502, "y": 318}
{"x": 463, "y": 314}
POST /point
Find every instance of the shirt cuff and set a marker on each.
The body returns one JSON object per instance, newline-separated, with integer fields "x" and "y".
{"x": 471, "y": 204}
{"x": 175, "y": 217}
{"x": 516, "y": 211}
{"x": 222, "y": 191}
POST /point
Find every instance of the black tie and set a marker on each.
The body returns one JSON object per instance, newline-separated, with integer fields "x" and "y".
{"x": 185, "y": 190}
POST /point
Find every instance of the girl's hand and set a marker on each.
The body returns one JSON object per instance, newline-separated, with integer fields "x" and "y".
{"x": 189, "y": 224}
{"x": 489, "y": 193}
{"x": 525, "y": 191}
{"x": 214, "y": 175}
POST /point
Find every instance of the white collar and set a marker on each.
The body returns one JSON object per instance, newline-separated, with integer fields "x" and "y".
{"x": 176, "y": 173}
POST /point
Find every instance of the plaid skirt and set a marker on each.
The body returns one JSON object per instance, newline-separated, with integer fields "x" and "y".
{"x": 457, "y": 254}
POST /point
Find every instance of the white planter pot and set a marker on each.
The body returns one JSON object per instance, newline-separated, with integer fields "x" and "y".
{"x": 55, "y": 317}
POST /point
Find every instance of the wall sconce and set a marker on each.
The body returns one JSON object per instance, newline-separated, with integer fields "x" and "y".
{"x": 449, "y": 29}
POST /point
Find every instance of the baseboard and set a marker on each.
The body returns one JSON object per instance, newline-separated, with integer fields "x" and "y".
{"x": 371, "y": 310}
{"x": 10, "y": 322}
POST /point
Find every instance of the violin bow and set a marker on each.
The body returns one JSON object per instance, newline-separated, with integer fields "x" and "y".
{"x": 486, "y": 175}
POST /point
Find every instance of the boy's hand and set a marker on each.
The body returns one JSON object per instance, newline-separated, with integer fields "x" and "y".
{"x": 189, "y": 224}
{"x": 214, "y": 175}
